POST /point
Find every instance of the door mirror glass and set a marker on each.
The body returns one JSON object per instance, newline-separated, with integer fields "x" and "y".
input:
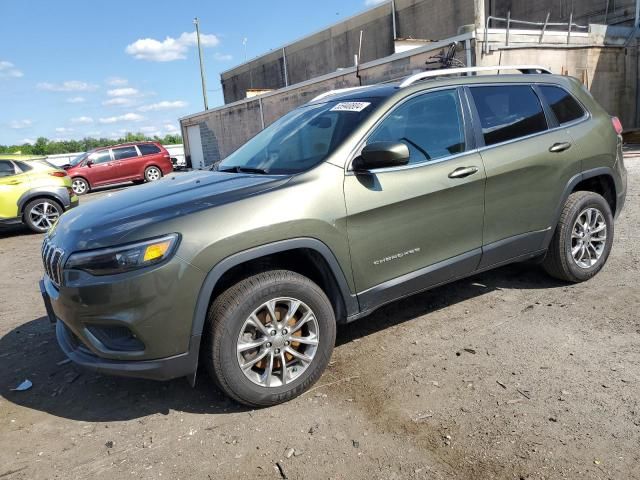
{"x": 89, "y": 163}
{"x": 382, "y": 155}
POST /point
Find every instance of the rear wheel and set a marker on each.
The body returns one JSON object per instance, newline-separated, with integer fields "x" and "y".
{"x": 40, "y": 214}
{"x": 583, "y": 238}
{"x": 152, "y": 173}
{"x": 269, "y": 337}
{"x": 79, "y": 186}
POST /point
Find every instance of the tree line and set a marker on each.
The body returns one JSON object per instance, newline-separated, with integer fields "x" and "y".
{"x": 44, "y": 146}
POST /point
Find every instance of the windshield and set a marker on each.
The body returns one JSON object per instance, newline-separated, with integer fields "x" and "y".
{"x": 78, "y": 159}
{"x": 301, "y": 139}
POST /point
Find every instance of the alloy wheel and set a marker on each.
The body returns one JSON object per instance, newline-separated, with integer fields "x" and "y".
{"x": 79, "y": 186}
{"x": 278, "y": 342}
{"x": 588, "y": 237}
{"x": 44, "y": 214}
{"x": 153, "y": 174}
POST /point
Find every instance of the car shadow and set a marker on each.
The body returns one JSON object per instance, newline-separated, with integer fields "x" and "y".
{"x": 8, "y": 231}
{"x": 30, "y": 351}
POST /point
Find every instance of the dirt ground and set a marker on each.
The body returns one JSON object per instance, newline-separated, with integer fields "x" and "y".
{"x": 508, "y": 374}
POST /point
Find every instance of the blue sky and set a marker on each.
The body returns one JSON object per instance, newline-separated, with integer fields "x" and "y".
{"x": 74, "y": 68}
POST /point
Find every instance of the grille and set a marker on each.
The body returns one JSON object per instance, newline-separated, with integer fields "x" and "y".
{"x": 52, "y": 262}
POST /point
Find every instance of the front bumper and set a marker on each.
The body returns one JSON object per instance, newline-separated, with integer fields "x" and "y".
{"x": 161, "y": 369}
{"x": 154, "y": 306}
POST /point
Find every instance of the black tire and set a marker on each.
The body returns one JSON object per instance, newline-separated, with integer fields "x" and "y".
{"x": 226, "y": 317}
{"x": 80, "y": 186}
{"x": 40, "y": 214}
{"x": 559, "y": 261}
{"x": 152, "y": 173}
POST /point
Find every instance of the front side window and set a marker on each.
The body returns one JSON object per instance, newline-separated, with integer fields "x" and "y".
{"x": 430, "y": 125}
{"x": 124, "y": 153}
{"x": 564, "y": 106}
{"x": 508, "y": 112}
{"x": 7, "y": 169}
{"x": 100, "y": 157}
{"x": 301, "y": 139}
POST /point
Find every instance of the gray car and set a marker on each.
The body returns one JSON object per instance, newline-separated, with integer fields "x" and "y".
{"x": 347, "y": 203}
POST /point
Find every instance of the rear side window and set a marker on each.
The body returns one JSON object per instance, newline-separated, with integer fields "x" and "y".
{"x": 124, "y": 152}
{"x": 148, "y": 149}
{"x": 565, "y": 107}
{"x": 508, "y": 112}
{"x": 24, "y": 167}
{"x": 430, "y": 125}
{"x": 7, "y": 169}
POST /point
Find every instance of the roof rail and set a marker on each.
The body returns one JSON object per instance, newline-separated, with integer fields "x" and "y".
{"x": 525, "y": 69}
{"x": 336, "y": 91}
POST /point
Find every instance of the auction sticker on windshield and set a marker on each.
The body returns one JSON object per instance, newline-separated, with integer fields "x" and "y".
{"x": 350, "y": 106}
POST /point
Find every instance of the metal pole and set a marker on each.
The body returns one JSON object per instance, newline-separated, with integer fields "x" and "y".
{"x": 508, "y": 27}
{"x": 393, "y": 19}
{"x": 570, "y": 24}
{"x": 202, "y": 74}
{"x": 286, "y": 74}
{"x": 467, "y": 47}
{"x": 261, "y": 113}
{"x": 544, "y": 27}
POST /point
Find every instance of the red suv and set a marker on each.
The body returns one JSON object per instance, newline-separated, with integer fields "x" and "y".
{"x": 131, "y": 162}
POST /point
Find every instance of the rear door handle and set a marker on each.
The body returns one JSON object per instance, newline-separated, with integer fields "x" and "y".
{"x": 462, "y": 172}
{"x": 559, "y": 147}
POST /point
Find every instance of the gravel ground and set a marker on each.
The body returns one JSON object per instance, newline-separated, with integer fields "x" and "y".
{"x": 508, "y": 374}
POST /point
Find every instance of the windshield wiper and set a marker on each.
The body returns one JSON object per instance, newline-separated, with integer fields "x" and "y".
{"x": 239, "y": 169}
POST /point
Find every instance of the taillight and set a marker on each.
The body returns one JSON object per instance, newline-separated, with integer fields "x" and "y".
{"x": 57, "y": 173}
{"x": 617, "y": 125}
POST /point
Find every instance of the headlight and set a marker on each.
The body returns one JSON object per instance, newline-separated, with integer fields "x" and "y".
{"x": 124, "y": 258}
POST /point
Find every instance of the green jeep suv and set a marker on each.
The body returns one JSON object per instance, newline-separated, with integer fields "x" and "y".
{"x": 355, "y": 199}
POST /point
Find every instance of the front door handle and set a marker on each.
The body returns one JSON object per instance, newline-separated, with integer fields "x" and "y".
{"x": 462, "y": 172}
{"x": 559, "y": 147}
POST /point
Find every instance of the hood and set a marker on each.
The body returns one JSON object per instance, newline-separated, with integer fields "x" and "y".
{"x": 105, "y": 221}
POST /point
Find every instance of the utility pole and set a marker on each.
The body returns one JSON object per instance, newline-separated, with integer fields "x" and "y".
{"x": 196, "y": 22}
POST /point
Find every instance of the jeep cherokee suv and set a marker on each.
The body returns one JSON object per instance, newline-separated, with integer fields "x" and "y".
{"x": 351, "y": 201}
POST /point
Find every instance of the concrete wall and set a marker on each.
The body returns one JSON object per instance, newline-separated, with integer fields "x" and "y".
{"x": 334, "y": 47}
{"x": 224, "y": 129}
{"x": 610, "y": 72}
{"x": 584, "y": 11}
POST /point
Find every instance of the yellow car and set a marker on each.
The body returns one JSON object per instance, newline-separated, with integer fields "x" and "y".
{"x": 34, "y": 192}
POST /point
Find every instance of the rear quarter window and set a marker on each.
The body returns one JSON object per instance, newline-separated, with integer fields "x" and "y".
{"x": 508, "y": 112}
{"x": 564, "y": 106}
{"x": 148, "y": 149}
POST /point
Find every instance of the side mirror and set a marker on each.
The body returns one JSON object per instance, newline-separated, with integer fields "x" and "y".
{"x": 381, "y": 155}
{"x": 89, "y": 163}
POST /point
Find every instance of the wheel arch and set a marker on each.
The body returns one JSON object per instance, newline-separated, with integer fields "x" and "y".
{"x": 34, "y": 195}
{"x": 307, "y": 256}
{"x": 598, "y": 180}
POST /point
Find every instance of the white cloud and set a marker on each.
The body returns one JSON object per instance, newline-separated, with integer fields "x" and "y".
{"x": 76, "y": 100}
{"x": 82, "y": 120}
{"x": 168, "y": 49}
{"x": 171, "y": 128}
{"x": 9, "y": 70}
{"x": 222, "y": 57}
{"x": 68, "y": 86}
{"x": 18, "y": 124}
{"x": 123, "y": 92}
{"x": 372, "y": 3}
{"x": 63, "y": 130}
{"x": 164, "y": 105}
{"x": 118, "y": 102}
{"x": 30, "y": 141}
{"x": 127, "y": 117}
{"x": 116, "y": 81}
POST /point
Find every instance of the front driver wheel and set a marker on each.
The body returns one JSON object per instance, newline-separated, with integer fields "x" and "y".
{"x": 583, "y": 238}
{"x": 269, "y": 337}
